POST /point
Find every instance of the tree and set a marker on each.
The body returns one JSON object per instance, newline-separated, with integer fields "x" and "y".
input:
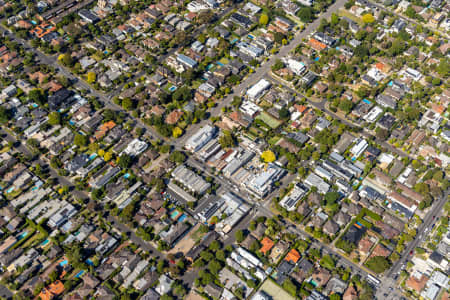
{"x": 107, "y": 157}
{"x": 443, "y": 68}
{"x": 124, "y": 161}
{"x": 176, "y": 132}
{"x": 239, "y": 236}
{"x": 283, "y": 113}
{"x": 177, "y": 157}
{"x": 268, "y": 156}
{"x": 264, "y": 19}
{"x": 54, "y": 118}
{"x": 278, "y": 37}
{"x": 378, "y": 264}
{"x": 5, "y": 115}
{"x": 305, "y": 14}
{"x": 127, "y": 104}
{"x": 37, "y": 96}
{"x": 214, "y": 266}
{"x": 91, "y": 77}
{"x": 66, "y": 59}
{"x": 335, "y": 297}
{"x": 368, "y": 18}
{"x": 227, "y": 139}
{"x": 290, "y": 287}
{"x": 277, "y": 65}
{"x": 80, "y": 140}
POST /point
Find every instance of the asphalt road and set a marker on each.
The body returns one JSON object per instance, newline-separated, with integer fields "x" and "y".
{"x": 5, "y": 293}
{"x": 431, "y": 217}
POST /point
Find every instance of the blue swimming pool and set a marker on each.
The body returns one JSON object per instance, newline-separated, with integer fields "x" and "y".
{"x": 182, "y": 218}
{"x": 34, "y": 105}
{"x": 10, "y": 190}
{"x": 390, "y": 83}
{"x": 45, "y": 242}
{"x": 173, "y": 88}
{"x": 209, "y": 67}
{"x": 22, "y": 235}
{"x": 63, "y": 263}
{"x": 126, "y": 176}
{"x": 220, "y": 64}
{"x": 250, "y": 36}
{"x": 359, "y": 223}
{"x": 93, "y": 155}
{"x": 79, "y": 274}
{"x": 366, "y": 101}
{"x": 174, "y": 214}
{"x": 234, "y": 40}
{"x": 317, "y": 58}
{"x": 33, "y": 22}
{"x": 89, "y": 262}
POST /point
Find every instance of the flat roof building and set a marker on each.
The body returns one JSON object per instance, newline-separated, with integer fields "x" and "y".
{"x": 258, "y": 89}
{"x": 200, "y": 138}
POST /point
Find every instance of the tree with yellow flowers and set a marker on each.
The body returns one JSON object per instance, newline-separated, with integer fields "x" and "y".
{"x": 368, "y": 18}
{"x": 268, "y": 156}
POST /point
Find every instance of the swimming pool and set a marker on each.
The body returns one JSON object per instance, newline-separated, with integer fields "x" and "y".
{"x": 45, "y": 242}
{"x": 22, "y": 235}
{"x": 220, "y": 64}
{"x": 250, "y": 36}
{"x": 126, "y": 176}
{"x": 366, "y": 101}
{"x": 209, "y": 67}
{"x": 10, "y": 190}
{"x": 173, "y": 88}
{"x": 63, "y": 263}
{"x": 317, "y": 58}
{"x": 174, "y": 214}
{"x": 182, "y": 218}
{"x": 234, "y": 40}
{"x": 89, "y": 262}
{"x": 79, "y": 274}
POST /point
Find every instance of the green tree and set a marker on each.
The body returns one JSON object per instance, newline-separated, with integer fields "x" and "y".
{"x": 54, "y": 118}
{"x": 239, "y": 236}
{"x": 227, "y": 139}
{"x": 378, "y": 264}
{"x": 177, "y": 157}
{"x": 127, "y": 104}
{"x": 5, "y": 114}
{"x": 80, "y": 140}
{"x": 124, "y": 161}
{"x": 306, "y": 14}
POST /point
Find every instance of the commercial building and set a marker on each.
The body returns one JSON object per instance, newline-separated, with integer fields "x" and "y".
{"x": 135, "y": 148}
{"x": 314, "y": 180}
{"x": 289, "y": 202}
{"x": 359, "y": 147}
{"x": 258, "y": 89}
{"x": 186, "y": 61}
{"x": 200, "y": 138}
{"x": 261, "y": 184}
{"x": 190, "y": 180}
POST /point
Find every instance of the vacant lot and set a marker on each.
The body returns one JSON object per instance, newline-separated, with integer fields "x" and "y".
{"x": 275, "y": 291}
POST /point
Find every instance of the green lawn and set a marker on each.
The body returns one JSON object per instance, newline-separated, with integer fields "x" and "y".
{"x": 346, "y": 13}
{"x": 269, "y": 120}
